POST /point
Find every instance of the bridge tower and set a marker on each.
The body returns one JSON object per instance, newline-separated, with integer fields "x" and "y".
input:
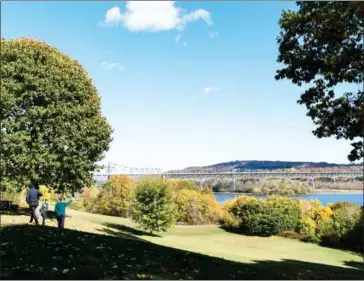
{"x": 234, "y": 182}
{"x": 312, "y": 180}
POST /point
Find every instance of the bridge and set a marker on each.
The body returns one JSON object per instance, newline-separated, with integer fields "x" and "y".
{"x": 234, "y": 176}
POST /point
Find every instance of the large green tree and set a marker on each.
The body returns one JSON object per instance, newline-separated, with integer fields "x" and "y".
{"x": 321, "y": 45}
{"x": 52, "y": 130}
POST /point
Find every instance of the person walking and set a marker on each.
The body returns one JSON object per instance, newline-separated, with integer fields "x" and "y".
{"x": 60, "y": 209}
{"x": 44, "y": 210}
{"x": 32, "y": 199}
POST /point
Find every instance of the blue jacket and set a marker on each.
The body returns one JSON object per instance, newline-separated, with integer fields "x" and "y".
{"x": 60, "y": 208}
{"x": 32, "y": 197}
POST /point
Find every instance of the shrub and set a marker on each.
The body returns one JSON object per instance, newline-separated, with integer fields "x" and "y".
{"x": 116, "y": 196}
{"x": 228, "y": 219}
{"x": 354, "y": 239}
{"x": 87, "y": 200}
{"x": 286, "y": 211}
{"x": 307, "y": 227}
{"x": 154, "y": 209}
{"x": 90, "y": 192}
{"x": 187, "y": 210}
{"x": 345, "y": 218}
{"x": 308, "y": 208}
{"x": 259, "y": 217}
{"x": 207, "y": 190}
{"x": 211, "y": 209}
{"x": 322, "y": 214}
{"x": 256, "y": 219}
{"x": 197, "y": 207}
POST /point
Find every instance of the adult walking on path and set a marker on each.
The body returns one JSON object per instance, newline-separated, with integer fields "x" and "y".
{"x": 32, "y": 199}
{"x": 60, "y": 210}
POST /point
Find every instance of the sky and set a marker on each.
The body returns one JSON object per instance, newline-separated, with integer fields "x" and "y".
{"x": 182, "y": 83}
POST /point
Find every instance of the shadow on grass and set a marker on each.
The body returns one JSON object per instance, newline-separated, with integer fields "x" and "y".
{"x": 355, "y": 264}
{"x": 36, "y": 252}
{"x": 130, "y": 230}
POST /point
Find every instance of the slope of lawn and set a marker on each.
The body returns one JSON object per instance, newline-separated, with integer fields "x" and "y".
{"x": 103, "y": 247}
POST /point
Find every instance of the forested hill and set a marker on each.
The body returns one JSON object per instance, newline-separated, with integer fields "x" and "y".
{"x": 254, "y": 165}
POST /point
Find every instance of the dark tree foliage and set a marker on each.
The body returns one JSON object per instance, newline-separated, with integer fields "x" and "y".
{"x": 52, "y": 130}
{"x": 322, "y": 45}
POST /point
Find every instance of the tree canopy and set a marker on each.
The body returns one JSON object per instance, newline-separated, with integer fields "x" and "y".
{"x": 52, "y": 130}
{"x": 322, "y": 45}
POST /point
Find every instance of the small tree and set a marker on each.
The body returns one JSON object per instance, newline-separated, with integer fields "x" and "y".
{"x": 154, "y": 209}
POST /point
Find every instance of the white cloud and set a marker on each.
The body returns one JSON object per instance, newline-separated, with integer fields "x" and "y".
{"x": 213, "y": 34}
{"x": 112, "y": 65}
{"x": 208, "y": 90}
{"x": 185, "y": 43}
{"x": 178, "y": 37}
{"x": 154, "y": 16}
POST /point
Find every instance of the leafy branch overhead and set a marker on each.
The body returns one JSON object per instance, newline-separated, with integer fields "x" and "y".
{"x": 52, "y": 130}
{"x": 322, "y": 47}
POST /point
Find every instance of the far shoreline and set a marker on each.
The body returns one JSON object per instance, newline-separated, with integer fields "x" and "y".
{"x": 317, "y": 191}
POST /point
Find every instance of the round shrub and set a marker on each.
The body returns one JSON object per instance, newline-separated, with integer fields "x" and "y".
{"x": 154, "y": 209}
{"x": 287, "y": 211}
{"x": 264, "y": 217}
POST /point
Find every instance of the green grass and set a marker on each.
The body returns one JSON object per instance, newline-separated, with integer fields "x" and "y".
{"x": 103, "y": 247}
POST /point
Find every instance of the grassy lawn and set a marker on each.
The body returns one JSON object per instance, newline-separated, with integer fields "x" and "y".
{"x": 103, "y": 247}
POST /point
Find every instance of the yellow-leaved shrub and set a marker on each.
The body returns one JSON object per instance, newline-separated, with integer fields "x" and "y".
{"x": 116, "y": 196}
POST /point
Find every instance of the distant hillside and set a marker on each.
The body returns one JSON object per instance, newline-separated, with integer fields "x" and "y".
{"x": 254, "y": 165}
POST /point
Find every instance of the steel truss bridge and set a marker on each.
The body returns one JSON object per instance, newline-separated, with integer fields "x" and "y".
{"x": 233, "y": 177}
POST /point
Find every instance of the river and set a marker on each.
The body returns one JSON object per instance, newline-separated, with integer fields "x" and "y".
{"x": 325, "y": 198}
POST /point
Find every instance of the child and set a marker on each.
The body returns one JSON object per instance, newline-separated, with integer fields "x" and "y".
{"x": 44, "y": 210}
{"x": 60, "y": 210}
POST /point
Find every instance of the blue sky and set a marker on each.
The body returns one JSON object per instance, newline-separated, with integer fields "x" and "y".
{"x": 185, "y": 83}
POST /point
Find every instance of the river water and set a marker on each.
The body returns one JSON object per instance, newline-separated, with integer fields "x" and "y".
{"x": 356, "y": 198}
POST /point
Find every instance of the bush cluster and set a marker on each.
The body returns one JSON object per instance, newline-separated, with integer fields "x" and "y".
{"x": 123, "y": 196}
{"x": 339, "y": 224}
{"x": 263, "y": 217}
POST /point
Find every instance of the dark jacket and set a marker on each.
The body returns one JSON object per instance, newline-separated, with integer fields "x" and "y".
{"x": 32, "y": 197}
